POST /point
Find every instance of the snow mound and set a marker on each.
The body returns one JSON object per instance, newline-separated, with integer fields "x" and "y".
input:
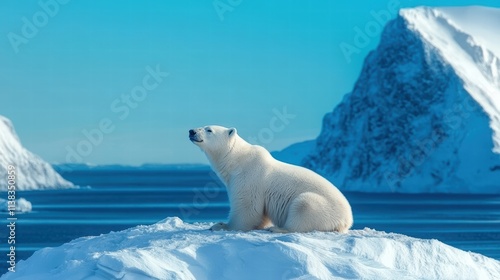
{"x": 424, "y": 114}
{"x": 30, "y": 170}
{"x": 22, "y": 205}
{"x": 172, "y": 249}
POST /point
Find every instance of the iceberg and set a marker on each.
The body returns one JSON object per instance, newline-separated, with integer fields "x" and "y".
{"x": 31, "y": 172}
{"x": 173, "y": 249}
{"x": 22, "y": 205}
{"x": 424, "y": 114}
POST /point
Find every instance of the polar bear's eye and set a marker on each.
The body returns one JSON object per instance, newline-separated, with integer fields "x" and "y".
{"x": 209, "y": 130}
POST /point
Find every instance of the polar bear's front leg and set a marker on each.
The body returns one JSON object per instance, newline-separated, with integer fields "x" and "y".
{"x": 264, "y": 223}
{"x": 219, "y": 226}
{"x": 277, "y": 230}
{"x": 242, "y": 218}
{"x": 239, "y": 222}
{"x": 246, "y": 215}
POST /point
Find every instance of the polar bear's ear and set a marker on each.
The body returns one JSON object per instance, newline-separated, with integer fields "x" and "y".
{"x": 232, "y": 131}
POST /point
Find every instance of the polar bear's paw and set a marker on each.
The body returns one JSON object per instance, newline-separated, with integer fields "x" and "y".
{"x": 277, "y": 230}
{"x": 219, "y": 226}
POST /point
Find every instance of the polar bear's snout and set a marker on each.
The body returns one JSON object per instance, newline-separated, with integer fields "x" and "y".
{"x": 195, "y": 136}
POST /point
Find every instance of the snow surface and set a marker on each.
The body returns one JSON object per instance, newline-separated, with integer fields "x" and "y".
{"x": 22, "y": 205}
{"x": 172, "y": 249}
{"x": 424, "y": 115}
{"x": 467, "y": 39}
{"x": 31, "y": 171}
{"x": 477, "y": 20}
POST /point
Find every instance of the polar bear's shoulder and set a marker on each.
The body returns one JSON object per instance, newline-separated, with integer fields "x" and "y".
{"x": 255, "y": 154}
{"x": 261, "y": 152}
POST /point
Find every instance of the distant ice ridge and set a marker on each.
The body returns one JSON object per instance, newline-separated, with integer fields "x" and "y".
{"x": 294, "y": 153}
{"x": 172, "y": 249}
{"x": 68, "y": 167}
{"x": 22, "y": 205}
{"x": 424, "y": 115}
{"x": 32, "y": 173}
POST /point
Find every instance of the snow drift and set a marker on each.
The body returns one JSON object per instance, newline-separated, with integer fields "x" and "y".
{"x": 172, "y": 249}
{"x": 424, "y": 115}
{"x": 30, "y": 170}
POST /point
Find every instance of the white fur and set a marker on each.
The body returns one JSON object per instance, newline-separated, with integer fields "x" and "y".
{"x": 264, "y": 191}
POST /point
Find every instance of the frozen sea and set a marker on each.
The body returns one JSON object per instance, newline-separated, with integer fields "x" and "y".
{"x": 122, "y": 198}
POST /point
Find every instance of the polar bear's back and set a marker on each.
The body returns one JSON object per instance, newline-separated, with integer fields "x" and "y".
{"x": 291, "y": 176}
{"x": 306, "y": 177}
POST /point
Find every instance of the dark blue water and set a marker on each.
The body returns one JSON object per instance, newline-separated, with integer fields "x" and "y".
{"x": 120, "y": 199}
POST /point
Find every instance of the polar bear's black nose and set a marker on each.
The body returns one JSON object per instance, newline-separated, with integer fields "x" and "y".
{"x": 192, "y": 132}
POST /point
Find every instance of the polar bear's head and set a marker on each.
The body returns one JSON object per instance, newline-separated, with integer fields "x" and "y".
{"x": 213, "y": 139}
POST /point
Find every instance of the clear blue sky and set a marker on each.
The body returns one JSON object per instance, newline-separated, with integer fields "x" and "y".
{"x": 79, "y": 66}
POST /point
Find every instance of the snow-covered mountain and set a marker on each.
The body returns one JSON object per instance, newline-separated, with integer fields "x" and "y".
{"x": 30, "y": 170}
{"x": 172, "y": 249}
{"x": 424, "y": 115}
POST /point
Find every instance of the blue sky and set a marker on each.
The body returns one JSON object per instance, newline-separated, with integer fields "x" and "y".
{"x": 123, "y": 81}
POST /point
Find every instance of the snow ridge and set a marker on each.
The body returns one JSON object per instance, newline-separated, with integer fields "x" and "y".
{"x": 172, "y": 249}
{"x": 476, "y": 65}
{"x": 31, "y": 171}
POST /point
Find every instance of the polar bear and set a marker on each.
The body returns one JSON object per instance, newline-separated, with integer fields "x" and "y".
{"x": 265, "y": 193}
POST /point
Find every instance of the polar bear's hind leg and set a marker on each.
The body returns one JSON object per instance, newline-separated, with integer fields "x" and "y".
{"x": 308, "y": 212}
